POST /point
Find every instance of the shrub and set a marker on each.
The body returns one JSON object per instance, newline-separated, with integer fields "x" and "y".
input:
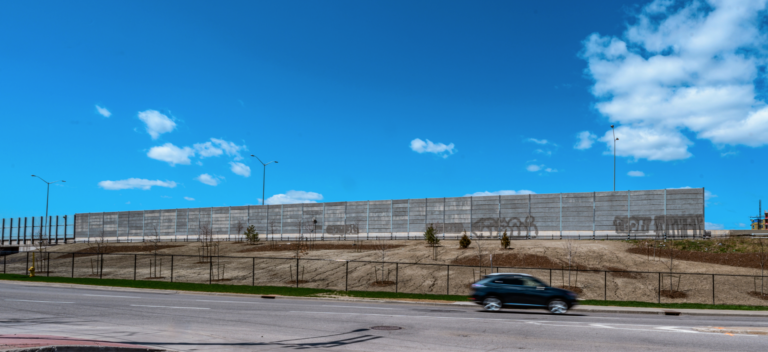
{"x": 251, "y": 235}
{"x": 431, "y": 237}
{"x": 505, "y": 241}
{"x": 464, "y": 242}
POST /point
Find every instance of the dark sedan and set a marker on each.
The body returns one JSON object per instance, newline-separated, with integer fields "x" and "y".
{"x": 520, "y": 291}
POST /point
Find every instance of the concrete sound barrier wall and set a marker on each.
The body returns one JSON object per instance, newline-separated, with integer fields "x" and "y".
{"x": 652, "y": 213}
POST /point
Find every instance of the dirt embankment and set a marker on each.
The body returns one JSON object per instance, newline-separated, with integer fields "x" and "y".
{"x": 282, "y": 247}
{"x": 110, "y": 249}
{"x": 744, "y": 260}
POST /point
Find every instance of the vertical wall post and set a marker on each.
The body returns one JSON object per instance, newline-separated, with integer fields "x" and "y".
{"x": 65, "y": 229}
{"x": 408, "y": 235}
{"x": 594, "y": 214}
{"x": 25, "y": 228}
{"x": 444, "y": 217}
{"x": 367, "y": 220}
{"x": 57, "y": 229}
{"x": 561, "y": 216}
{"x": 50, "y": 217}
{"x": 322, "y": 238}
{"x": 665, "y": 215}
{"x": 143, "y": 217}
{"x": 229, "y": 225}
{"x": 18, "y": 231}
{"x": 344, "y": 233}
{"x": 629, "y": 225}
{"x": 281, "y": 222}
{"x": 2, "y": 234}
{"x": 498, "y": 217}
{"x": 470, "y": 216}
{"x": 528, "y": 223}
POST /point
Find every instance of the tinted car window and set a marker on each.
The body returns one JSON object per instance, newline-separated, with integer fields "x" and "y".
{"x": 531, "y": 282}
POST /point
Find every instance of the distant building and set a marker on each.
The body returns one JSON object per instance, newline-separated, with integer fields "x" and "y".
{"x": 758, "y": 223}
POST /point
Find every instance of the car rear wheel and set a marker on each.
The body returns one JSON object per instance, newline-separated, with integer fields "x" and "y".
{"x": 492, "y": 304}
{"x": 557, "y": 306}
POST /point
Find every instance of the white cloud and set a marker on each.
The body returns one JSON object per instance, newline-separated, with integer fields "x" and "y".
{"x": 240, "y": 169}
{"x": 541, "y": 151}
{"x": 707, "y": 194}
{"x": 133, "y": 183}
{"x": 189, "y": 198}
{"x": 294, "y": 197}
{"x": 500, "y": 193}
{"x": 103, "y": 111}
{"x": 636, "y": 173}
{"x": 171, "y": 154}
{"x": 682, "y": 67}
{"x": 549, "y": 169}
{"x": 156, "y": 122}
{"x": 208, "y": 179}
{"x": 586, "y": 139}
{"x": 712, "y": 226}
{"x": 533, "y": 168}
{"x": 419, "y": 146}
{"x": 217, "y": 147}
{"x": 538, "y": 141}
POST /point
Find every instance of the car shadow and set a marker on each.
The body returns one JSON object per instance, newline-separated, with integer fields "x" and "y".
{"x": 525, "y": 312}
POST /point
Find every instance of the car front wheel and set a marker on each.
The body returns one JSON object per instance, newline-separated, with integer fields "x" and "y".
{"x": 492, "y": 304}
{"x": 557, "y": 306}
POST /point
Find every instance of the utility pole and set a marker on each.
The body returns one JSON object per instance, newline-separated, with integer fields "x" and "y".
{"x": 264, "y": 176}
{"x": 614, "y": 157}
{"x": 47, "y": 197}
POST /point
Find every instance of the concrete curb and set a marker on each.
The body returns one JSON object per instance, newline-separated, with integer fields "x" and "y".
{"x": 77, "y": 348}
{"x": 735, "y": 330}
{"x": 577, "y": 309}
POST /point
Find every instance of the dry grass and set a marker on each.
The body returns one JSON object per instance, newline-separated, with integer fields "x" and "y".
{"x": 623, "y": 273}
{"x": 744, "y": 260}
{"x": 673, "y": 294}
{"x": 281, "y": 247}
{"x": 141, "y": 248}
{"x": 756, "y": 294}
{"x": 574, "y": 289}
{"x": 512, "y": 260}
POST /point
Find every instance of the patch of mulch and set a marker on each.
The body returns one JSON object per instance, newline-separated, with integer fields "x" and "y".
{"x": 293, "y": 282}
{"x": 623, "y": 273}
{"x": 673, "y": 294}
{"x": 155, "y": 278}
{"x": 92, "y": 251}
{"x": 756, "y": 294}
{"x": 514, "y": 260}
{"x": 281, "y": 247}
{"x": 221, "y": 280}
{"x": 382, "y": 283}
{"x": 574, "y": 289}
{"x": 743, "y": 260}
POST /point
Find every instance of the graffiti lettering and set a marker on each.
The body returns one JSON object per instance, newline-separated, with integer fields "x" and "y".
{"x": 672, "y": 225}
{"x": 350, "y": 229}
{"x": 525, "y": 227}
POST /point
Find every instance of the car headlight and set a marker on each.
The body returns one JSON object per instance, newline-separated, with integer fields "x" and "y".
{"x": 477, "y": 285}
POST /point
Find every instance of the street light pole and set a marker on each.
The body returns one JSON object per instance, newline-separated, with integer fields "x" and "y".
{"x": 264, "y": 176}
{"x": 614, "y": 158}
{"x": 47, "y": 197}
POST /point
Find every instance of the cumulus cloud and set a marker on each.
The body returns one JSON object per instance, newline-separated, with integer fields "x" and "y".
{"x": 294, "y": 197}
{"x": 500, "y": 193}
{"x": 156, "y": 123}
{"x": 189, "y": 198}
{"x": 586, "y": 139}
{"x": 636, "y": 173}
{"x": 133, "y": 183}
{"x": 208, "y": 179}
{"x": 171, "y": 154}
{"x": 419, "y": 146}
{"x": 217, "y": 147}
{"x": 538, "y": 141}
{"x": 533, "y": 168}
{"x": 240, "y": 169}
{"x": 103, "y": 111}
{"x": 682, "y": 67}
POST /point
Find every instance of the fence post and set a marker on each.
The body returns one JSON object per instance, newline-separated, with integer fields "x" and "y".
{"x": 550, "y": 277}
{"x": 448, "y": 281}
{"x": 57, "y": 229}
{"x": 26, "y": 268}
{"x": 346, "y": 277}
{"x": 135, "y": 259}
{"x": 2, "y": 234}
{"x": 605, "y": 285}
{"x": 101, "y": 266}
{"x": 253, "y": 272}
{"x": 297, "y": 270}
{"x": 172, "y": 267}
{"x": 73, "y": 265}
{"x": 397, "y": 271}
{"x": 65, "y": 229}
{"x": 659, "y": 293}
{"x": 713, "y": 289}
{"x": 210, "y": 270}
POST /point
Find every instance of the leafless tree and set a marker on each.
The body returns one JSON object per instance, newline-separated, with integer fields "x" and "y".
{"x": 382, "y": 246}
{"x": 480, "y": 252}
{"x": 239, "y": 227}
{"x": 670, "y": 263}
{"x": 571, "y": 250}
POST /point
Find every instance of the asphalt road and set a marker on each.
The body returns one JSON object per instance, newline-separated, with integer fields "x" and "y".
{"x": 199, "y": 322}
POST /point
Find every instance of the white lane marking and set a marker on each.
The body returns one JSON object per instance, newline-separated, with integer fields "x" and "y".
{"x": 26, "y": 300}
{"x": 111, "y": 296}
{"x": 206, "y": 300}
{"x": 141, "y": 305}
{"x": 357, "y": 307}
{"x": 547, "y": 323}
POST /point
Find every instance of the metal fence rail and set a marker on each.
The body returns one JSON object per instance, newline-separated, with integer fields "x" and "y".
{"x": 356, "y": 275}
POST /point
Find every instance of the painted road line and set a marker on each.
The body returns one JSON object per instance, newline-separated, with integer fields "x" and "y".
{"x": 111, "y": 296}
{"x": 206, "y": 300}
{"x": 141, "y": 305}
{"x": 357, "y": 307}
{"x": 26, "y": 300}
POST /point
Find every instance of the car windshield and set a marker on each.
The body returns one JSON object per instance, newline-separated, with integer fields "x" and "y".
{"x": 532, "y": 281}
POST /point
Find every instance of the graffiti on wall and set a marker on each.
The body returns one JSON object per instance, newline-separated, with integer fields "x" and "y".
{"x": 342, "y": 230}
{"x": 513, "y": 226}
{"x": 451, "y": 227}
{"x": 676, "y": 225}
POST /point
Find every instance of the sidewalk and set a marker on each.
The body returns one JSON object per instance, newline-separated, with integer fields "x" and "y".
{"x": 37, "y": 342}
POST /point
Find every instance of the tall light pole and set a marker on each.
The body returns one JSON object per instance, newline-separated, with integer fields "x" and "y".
{"x": 614, "y": 157}
{"x": 264, "y": 177}
{"x": 47, "y": 196}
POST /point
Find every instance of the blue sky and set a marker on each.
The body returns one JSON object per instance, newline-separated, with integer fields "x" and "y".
{"x": 153, "y": 105}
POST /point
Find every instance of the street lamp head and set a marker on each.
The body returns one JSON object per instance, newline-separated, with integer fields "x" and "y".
{"x": 34, "y": 176}
{"x": 611, "y": 126}
{"x": 253, "y": 155}
{"x": 617, "y": 138}
{"x": 63, "y": 181}
{"x": 275, "y": 161}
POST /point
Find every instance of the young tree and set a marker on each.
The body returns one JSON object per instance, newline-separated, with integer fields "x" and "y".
{"x": 505, "y": 240}
{"x": 571, "y": 250}
{"x": 670, "y": 263}
{"x": 382, "y": 246}
{"x": 251, "y": 235}
{"x": 431, "y": 237}
{"x": 238, "y": 227}
{"x": 464, "y": 242}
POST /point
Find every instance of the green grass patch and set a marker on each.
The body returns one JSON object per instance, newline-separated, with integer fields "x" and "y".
{"x": 670, "y": 305}
{"x": 313, "y": 292}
